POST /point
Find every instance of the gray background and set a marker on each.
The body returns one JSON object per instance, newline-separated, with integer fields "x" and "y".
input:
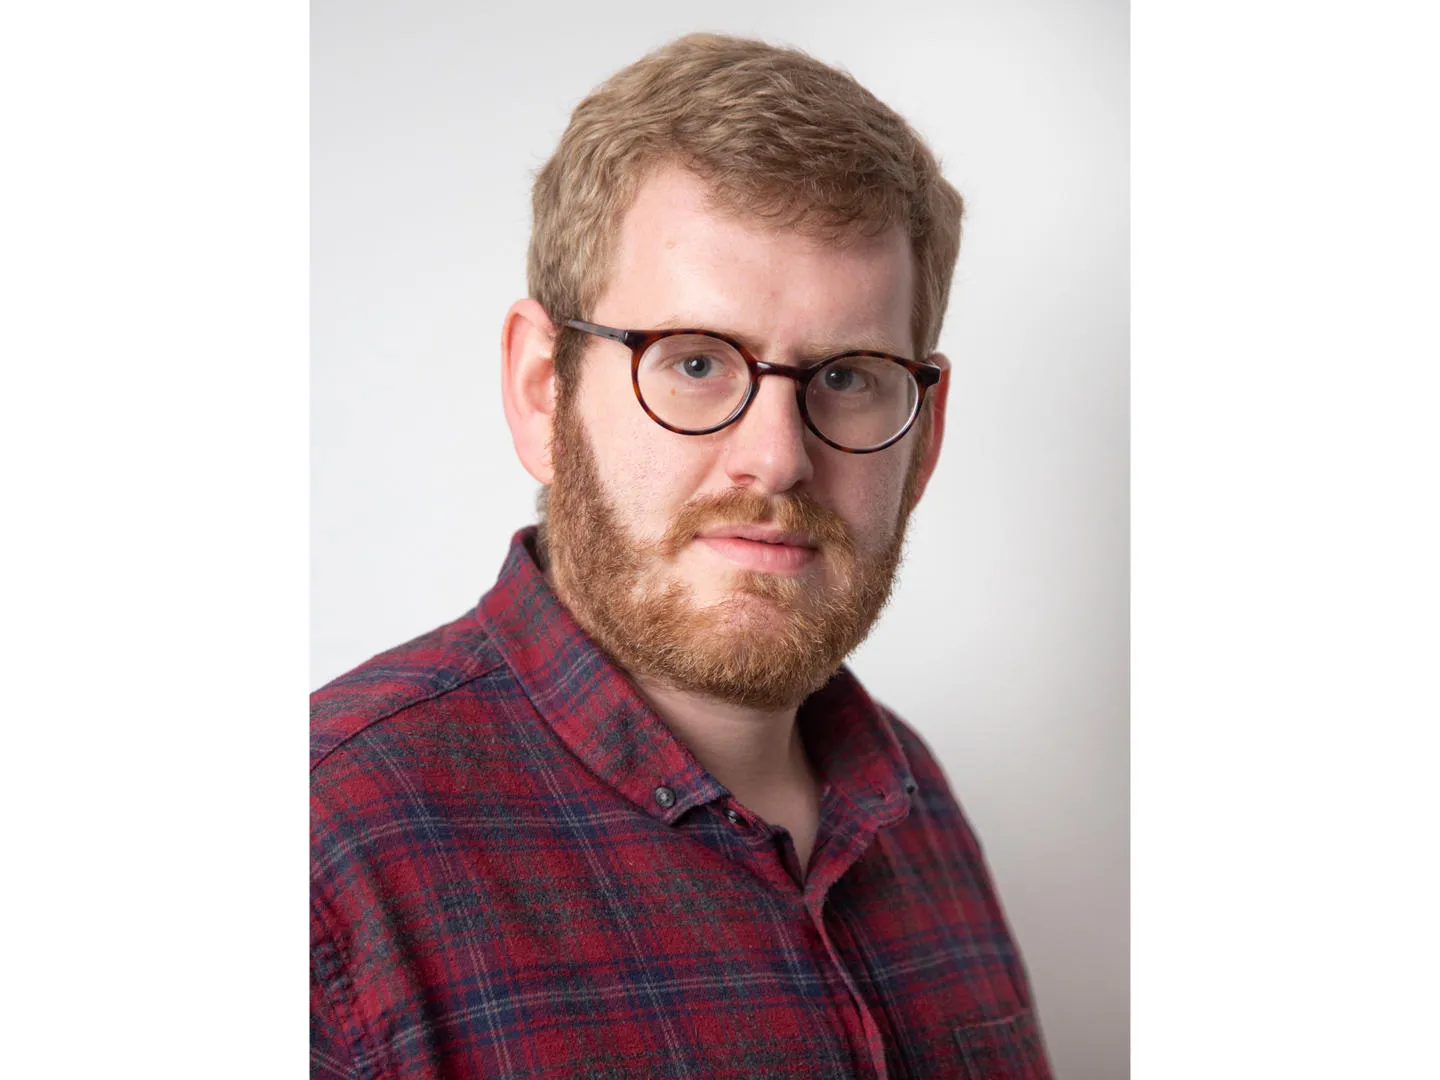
{"x": 1006, "y": 644}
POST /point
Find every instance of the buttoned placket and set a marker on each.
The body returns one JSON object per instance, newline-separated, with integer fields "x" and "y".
{"x": 846, "y": 832}
{"x": 850, "y": 836}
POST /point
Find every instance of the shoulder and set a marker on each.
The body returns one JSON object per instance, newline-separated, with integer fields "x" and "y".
{"x": 923, "y": 763}
{"x": 399, "y": 682}
{"x": 935, "y": 798}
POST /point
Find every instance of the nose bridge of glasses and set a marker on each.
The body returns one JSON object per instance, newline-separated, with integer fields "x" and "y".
{"x": 756, "y": 415}
{"x": 799, "y": 374}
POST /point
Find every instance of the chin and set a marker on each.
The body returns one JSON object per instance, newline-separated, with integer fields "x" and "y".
{"x": 749, "y": 619}
{"x": 757, "y": 611}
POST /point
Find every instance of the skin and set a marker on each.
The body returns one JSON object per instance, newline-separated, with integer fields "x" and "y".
{"x": 792, "y": 299}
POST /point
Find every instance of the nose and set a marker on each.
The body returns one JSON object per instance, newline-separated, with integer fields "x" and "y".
{"x": 767, "y": 449}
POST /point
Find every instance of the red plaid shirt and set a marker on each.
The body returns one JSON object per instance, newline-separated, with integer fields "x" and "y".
{"x": 518, "y": 871}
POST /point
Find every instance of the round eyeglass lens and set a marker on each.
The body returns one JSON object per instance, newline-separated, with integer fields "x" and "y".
{"x": 862, "y": 402}
{"x": 693, "y": 382}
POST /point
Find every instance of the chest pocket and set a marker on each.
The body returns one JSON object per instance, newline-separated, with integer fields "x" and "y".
{"x": 1008, "y": 1049}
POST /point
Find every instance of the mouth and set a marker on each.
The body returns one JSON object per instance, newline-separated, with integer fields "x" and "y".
{"x": 760, "y": 548}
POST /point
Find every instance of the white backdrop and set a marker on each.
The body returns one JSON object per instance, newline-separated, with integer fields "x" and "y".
{"x": 1007, "y": 642}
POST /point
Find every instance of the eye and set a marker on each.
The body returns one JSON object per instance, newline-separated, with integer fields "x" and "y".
{"x": 699, "y": 366}
{"x": 843, "y": 379}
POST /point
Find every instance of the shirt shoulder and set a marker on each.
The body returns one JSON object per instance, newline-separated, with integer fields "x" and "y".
{"x": 917, "y": 750}
{"x": 400, "y": 679}
{"x": 935, "y": 800}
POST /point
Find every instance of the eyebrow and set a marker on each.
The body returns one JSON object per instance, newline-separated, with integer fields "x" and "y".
{"x": 808, "y": 354}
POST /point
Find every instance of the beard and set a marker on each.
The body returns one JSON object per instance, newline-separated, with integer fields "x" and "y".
{"x": 771, "y": 642}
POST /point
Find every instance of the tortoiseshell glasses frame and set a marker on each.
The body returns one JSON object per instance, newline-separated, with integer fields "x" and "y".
{"x": 924, "y": 374}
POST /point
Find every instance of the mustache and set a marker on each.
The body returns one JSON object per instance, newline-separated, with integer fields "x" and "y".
{"x": 798, "y": 512}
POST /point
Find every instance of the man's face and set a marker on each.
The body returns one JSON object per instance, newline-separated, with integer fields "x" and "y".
{"x": 642, "y": 522}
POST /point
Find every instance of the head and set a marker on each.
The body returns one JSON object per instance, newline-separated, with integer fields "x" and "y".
{"x": 729, "y": 185}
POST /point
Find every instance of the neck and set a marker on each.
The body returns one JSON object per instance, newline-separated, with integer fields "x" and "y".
{"x": 756, "y": 753}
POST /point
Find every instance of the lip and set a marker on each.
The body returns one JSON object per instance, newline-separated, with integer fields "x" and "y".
{"x": 764, "y": 534}
{"x": 754, "y": 547}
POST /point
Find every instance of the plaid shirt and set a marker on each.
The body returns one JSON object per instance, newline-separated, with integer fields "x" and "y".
{"x": 518, "y": 871}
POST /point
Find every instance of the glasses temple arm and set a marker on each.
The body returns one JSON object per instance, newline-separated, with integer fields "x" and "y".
{"x": 608, "y": 332}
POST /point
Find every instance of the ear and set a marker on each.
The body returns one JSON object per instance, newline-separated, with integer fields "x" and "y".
{"x": 935, "y": 399}
{"x": 527, "y": 385}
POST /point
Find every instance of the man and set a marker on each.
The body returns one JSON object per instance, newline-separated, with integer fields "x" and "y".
{"x": 631, "y": 816}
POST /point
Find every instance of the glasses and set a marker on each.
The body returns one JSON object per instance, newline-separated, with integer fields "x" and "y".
{"x": 695, "y": 382}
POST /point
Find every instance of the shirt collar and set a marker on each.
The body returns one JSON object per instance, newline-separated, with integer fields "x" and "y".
{"x": 598, "y": 714}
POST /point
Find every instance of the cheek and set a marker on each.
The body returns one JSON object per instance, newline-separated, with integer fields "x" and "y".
{"x": 867, "y": 493}
{"x": 647, "y": 473}
{"x": 651, "y": 483}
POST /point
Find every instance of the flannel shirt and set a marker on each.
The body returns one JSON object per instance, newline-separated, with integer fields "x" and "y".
{"x": 519, "y": 871}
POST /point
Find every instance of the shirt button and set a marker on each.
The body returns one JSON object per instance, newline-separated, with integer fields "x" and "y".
{"x": 664, "y": 797}
{"x": 733, "y": 816}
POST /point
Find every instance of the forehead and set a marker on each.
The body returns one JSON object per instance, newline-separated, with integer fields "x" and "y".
{"x": 680, "y": 259}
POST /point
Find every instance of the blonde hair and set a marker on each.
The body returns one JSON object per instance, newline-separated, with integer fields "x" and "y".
{"x": 776, "y": 135}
